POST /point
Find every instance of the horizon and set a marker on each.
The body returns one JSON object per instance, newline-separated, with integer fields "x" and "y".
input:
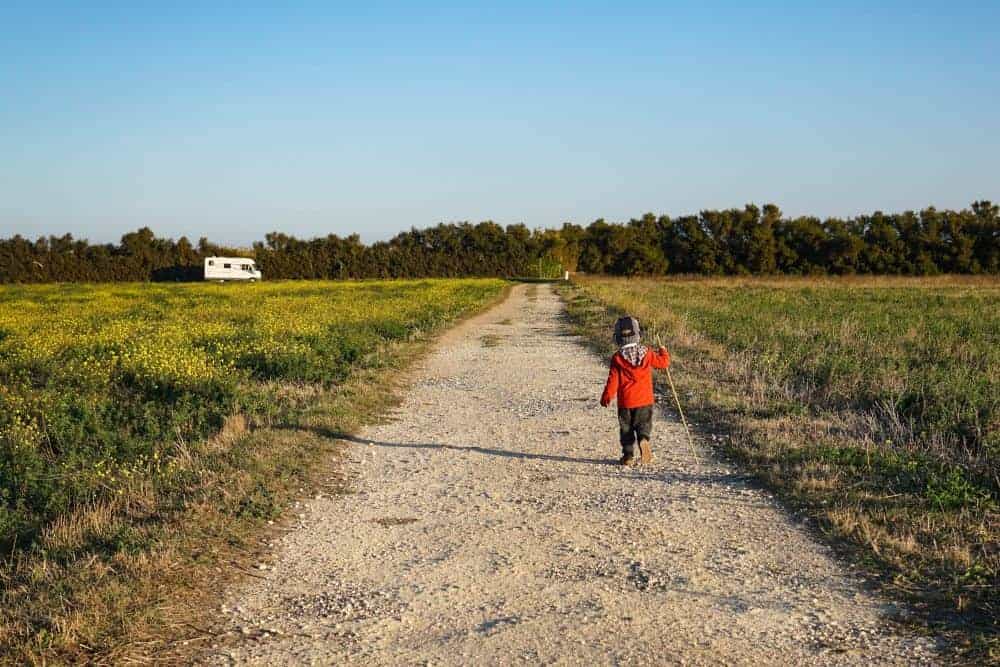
{"x": 314, "y": 120}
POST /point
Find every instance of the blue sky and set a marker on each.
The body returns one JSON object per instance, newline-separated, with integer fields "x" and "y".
{"x": 320, "y": 118}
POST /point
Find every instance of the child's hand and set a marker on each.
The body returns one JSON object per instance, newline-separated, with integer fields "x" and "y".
{"x": 604, "y": 403}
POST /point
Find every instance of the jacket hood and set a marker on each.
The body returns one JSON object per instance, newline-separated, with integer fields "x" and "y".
{"x": 627, "y": 330}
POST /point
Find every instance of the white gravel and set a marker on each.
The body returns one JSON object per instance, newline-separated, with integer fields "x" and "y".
{"x": 490, "y": 526}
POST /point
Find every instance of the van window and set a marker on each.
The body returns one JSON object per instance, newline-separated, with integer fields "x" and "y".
{"x": 211, "y": 262}
{"x": 227, "y": 266}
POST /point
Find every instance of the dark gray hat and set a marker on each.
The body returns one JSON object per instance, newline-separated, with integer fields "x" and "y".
{"x": 627, "y": 330}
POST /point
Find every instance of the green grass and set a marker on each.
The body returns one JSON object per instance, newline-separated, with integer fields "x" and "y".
{"x": 872, "y": 403}
{"x": 147, "y": 432}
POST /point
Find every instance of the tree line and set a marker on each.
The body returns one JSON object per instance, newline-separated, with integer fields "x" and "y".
{"x": 751, "y": 240}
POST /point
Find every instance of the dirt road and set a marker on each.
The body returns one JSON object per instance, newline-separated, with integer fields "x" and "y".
{"x": 490, "y": 526}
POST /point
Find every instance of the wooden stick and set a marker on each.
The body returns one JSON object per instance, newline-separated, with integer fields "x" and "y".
{"x": 677, "y": 401}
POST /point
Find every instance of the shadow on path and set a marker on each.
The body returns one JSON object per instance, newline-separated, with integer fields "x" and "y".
{"x": 705, "y": 478}
{"x": 481, "y": 450}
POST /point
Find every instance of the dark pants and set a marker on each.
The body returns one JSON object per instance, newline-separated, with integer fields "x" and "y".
{"x": 634, "y": 424}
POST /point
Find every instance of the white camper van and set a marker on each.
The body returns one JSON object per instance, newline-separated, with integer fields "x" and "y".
{"x": 231, "y": 268}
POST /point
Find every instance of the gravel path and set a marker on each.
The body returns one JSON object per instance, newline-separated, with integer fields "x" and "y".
{"x": 489, "y": 526}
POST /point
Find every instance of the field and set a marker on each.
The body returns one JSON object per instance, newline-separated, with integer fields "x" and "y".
{"x": 871, "y": 404}
{"x": 135, "y": 416}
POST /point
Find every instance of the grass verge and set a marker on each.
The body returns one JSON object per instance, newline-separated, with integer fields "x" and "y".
{"x": 134, "y": 576}
{"x": 841, "y": 397}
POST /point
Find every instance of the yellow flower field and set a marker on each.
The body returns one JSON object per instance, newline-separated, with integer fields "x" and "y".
{"x": 99, "y": 382}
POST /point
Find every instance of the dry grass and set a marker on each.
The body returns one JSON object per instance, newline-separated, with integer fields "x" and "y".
{"x": 906, "y": 499}
{"x": 134, "y": 579}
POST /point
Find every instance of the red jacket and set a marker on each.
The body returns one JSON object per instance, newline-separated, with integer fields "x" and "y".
{"x": 633, "y": 385}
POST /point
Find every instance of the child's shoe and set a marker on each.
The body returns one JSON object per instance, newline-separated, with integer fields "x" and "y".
{"x": 645, "y": 451}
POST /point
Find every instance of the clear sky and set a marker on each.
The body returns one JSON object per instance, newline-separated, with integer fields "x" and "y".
{"x": 236, "y": 120}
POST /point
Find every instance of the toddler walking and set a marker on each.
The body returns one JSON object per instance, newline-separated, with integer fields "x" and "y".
{"x": 630, "y": 382}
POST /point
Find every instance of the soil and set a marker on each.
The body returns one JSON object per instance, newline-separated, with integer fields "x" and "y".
{"x": 489, "y": 523}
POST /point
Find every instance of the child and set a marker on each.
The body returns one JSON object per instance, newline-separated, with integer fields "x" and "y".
{"x": 631, "y": 381}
